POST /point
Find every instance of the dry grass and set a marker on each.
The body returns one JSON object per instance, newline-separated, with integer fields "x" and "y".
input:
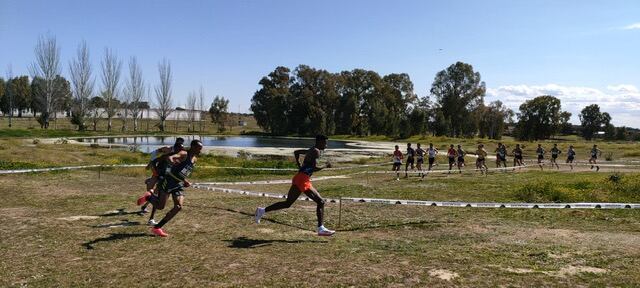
{"x": 214, "y": 242}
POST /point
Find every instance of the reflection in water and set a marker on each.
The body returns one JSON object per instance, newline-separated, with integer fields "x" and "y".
{"x": 149, "y": 143}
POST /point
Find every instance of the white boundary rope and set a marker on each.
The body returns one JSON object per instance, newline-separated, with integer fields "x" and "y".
{"x": 435, "y": 203}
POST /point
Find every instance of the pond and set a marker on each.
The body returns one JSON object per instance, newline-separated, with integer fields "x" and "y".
{"x": 150, "y": 143}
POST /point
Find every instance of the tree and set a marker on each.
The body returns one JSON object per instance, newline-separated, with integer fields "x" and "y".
{"x": 458, "y": 90}
{"x": 82, "y": 83}
{"x": 96, "y": 108}
{"x": 539, "y": 118}
{"x": 111, "y": 67}
{"x": 399, "y": 99}
{"x": 135, "y": 91}
{"x": 312, "y": 101}
{"x": 592, "y": 120}
{"x": 2, "y": 94}
{"x": 357, "y": 88}
{"x": 46, "y": 67}
{"x": 269, "y": 104}
{"x": 621, "y": 133}
{"x": 493, "y": 119}
{"x": 565, "y": 127}
{"x": 191, "y": 109}
{"x": 218, "y": 110}
{"x": 163, "y": 92}
{"x": 200, "y": 108}
{"x": 21, "y": 93}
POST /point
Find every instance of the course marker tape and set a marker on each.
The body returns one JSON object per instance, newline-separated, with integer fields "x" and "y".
{"x": 436, "y": 203}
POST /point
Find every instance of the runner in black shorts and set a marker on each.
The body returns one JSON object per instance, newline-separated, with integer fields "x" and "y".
{"x": 595, "y": 152}
{"x": 571, "y": 154}
{"x": 451, "y": 154}
{"x": 540, "y": 151}
{"x": 420, "y": 155}
{"x": 554, "y": 155}
{"x": 410, "y": 160}
{"x": 517, "y": 157}
{"x": 501, "y": 155}
{"x": 461, "y": 154}
{"x": 173, "y": 184}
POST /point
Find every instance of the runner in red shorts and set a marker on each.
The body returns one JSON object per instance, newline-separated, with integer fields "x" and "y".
{"x": 302, "y": 184}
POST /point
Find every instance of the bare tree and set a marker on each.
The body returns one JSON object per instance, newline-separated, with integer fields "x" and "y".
{"x": 82, "y": 85}
{"x": 163, "y": 92}
{"x": 110, "y": 78}
{"x": 135, "y": 90}
{"x": 46, "y": 67}
{"x": 191, "y": 110}
{"x": 201, "y": 107}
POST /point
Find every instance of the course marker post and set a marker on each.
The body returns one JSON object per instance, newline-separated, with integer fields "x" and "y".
{"x": 339, "y": 211}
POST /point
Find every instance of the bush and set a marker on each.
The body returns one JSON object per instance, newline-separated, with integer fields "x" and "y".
{"x": 608, "y": 157}
{"x": 541, "y": 192}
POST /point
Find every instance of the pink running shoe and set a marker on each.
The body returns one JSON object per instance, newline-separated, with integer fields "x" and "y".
{"x": 144, "y": 198}
{"x": 159, "y": 232}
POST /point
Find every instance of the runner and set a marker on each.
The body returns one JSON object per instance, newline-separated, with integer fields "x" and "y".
{"x": 461, "y": 154}
{"x": 452, "y": 154}
{"x": 302, "y": 184}
{"x": 431, "y": 153}
{"x": 480, "y": 162}
{"x": 554, "y": 155}
{"x": 540, "y": 151}
{"x": 517, "y": 157}
{"x": 410, "y": 160}
{"x": 397, "y": 162}
{"x": 571, "y": 154}
{"x": 595, "y": 153}
{"x": 420, "y": 153}
{"x": 158, "y": 165}
{"x": 173, "y": 183}
{"x": 501, "y": 155}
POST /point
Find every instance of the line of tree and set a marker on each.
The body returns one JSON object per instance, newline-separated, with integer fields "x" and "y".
{"x": 308, "y": 101}
{"x": 49, "y": 92}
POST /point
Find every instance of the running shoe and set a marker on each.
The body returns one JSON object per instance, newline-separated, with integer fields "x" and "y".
{"x": 152, "y": 222}
{"x": 259, "y": 213}
{"x": 144, "y": 198}
{"x": 325, "y": 232}
{"x": 159, "y": 232}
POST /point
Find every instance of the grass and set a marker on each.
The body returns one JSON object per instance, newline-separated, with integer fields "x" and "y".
{"x": 213, "y": 241}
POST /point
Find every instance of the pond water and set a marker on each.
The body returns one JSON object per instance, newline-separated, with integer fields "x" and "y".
{"x": 150, "y": 143}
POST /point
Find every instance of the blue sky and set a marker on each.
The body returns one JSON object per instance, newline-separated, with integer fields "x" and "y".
{"x": 580, "y": 51}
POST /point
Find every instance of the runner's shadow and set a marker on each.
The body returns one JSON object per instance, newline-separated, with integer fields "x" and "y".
{"x": 244, "y": 242}
{"x": 113, "y": 237}
{"x": 119, "y": 212}
{"x": 122, "y": 223}
{"x": 251, "y": 215}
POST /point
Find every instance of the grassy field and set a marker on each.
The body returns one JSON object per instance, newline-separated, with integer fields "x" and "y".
{"x": 74, "y": 229}
{"x": 29, "y": 127}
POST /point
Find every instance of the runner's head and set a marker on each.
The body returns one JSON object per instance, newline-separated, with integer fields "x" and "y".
{"x": 480, "y": 146}
{"x": 459, "y": 146}
{"x": 408, "y": 145}
{"x": 571, "y": 146}
{"x": 430, "y": 145}
{"x": 539, "y": 145}
{"x": 418, "y": 145}
{"x": 555, "y": 145}
{"x": 595, "y": 146}
{"x": 179, "y": 145}
{"x": 195, "y": 147}
{"x": 517, "y": 145}
{"x": 321, "y": 141}
{"x": 397, "y": 147}
{"x": 451, "y": 146}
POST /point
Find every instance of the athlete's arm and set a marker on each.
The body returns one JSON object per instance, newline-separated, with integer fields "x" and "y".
{"x": 297, "y": 154}
{"x": 178, "y": 157}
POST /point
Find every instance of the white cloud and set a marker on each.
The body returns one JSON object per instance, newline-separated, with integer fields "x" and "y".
{"x": 621, "y": 101}
{"x": 632, "y": 26}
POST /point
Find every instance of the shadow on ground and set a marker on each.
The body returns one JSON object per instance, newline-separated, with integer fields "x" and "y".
{"x": 244, "y": 242}
{"x": 113, "y": 237}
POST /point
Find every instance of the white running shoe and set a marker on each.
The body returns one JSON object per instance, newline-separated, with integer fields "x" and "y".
{"x": 152, "y": 222}
{"x": 325, "y": 232}
{"x": 259, "y": 213}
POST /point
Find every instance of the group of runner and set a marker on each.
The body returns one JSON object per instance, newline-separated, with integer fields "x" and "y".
{"x": 456, "y": 158}
{"x": 172, "y": 165}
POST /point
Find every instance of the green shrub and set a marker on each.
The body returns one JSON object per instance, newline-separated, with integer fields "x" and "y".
{"x": 542, "y": 192}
